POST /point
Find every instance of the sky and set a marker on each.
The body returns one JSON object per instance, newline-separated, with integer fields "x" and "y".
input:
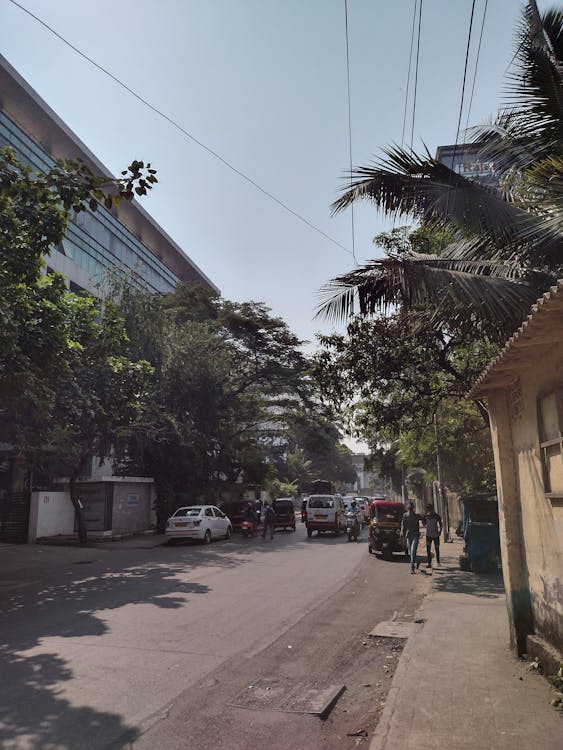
{"x": 263, "y": 83}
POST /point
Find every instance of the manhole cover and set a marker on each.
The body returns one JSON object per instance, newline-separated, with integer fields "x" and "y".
{"x": 393, "y": 629}
{"x": 263, "y": 693}
{"x": 311, "y": 700}
{"x": 278, "y": 695}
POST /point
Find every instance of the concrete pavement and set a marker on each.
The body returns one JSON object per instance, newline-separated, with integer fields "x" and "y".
{"x": 458, "y": 686}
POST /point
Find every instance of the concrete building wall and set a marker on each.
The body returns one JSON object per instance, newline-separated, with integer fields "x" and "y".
{"x": 542, "y": 515}
{"x": 50, "y": 514}
{"x": 131, "y": 506}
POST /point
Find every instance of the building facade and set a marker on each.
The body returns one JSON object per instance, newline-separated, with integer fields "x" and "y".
{"x": 467, "y": 161}
{"x": 125, "y": 240}
{"x": 524, "y": 391}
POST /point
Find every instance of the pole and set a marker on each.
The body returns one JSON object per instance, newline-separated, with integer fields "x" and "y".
{"x": 441, "y": 493}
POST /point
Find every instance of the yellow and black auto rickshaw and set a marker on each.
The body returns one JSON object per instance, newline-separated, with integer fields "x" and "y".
{"x": 385, "y": 528}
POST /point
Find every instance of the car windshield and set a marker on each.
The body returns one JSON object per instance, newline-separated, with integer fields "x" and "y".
{"x": 321, "y": 502}
{"x": 193, "y": 511}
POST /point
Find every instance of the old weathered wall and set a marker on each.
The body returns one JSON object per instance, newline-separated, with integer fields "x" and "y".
{"x": 542, "y": 516}
{"x": 131, "y": 506}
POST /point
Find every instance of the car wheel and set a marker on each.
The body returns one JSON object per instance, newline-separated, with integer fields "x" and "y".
{"x": 207, "y": 537}
{"x": 228, "y": 533}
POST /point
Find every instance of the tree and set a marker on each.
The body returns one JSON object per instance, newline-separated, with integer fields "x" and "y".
{"x": 44, "y": 343}
{"x": 100, "y": 393}
{"x": 225, "y": 376}
{"x": 506, "y": 243}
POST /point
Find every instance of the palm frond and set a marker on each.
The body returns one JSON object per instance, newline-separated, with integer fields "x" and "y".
{"x": 535, "y": 87}
{"x": 444, "y": 288}
{"x": 405, "y": 184}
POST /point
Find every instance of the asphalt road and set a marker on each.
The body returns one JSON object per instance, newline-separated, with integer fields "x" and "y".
{"x": 133, "y": 645}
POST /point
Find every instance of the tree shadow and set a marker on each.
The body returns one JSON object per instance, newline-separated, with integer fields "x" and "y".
{"x": 484, "y": 585}
{"x": 33, "y": 709}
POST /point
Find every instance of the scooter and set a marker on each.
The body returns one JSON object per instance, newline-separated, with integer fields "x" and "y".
{"x": 352, "y": 527}
{"x": 248, "y": 529}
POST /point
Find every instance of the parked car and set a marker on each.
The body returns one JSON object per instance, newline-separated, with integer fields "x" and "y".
{"x": 203, "y": 522}
{"x": 284, "y": 513}
{"x": 325, "y": 513}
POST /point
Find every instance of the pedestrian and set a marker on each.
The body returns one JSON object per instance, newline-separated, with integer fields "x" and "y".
{"x": 410, "y": 528}
{"x": 433, "y": 524}
{"x": 269, "y": 516}
{"x": 250, "y": 516}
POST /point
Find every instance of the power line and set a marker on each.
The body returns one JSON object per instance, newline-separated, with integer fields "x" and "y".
{"x": 409, "y": 74}
{"x": 416, "y": 72}
{"x": 183, "y": 130}
{"x": 461, "y": 105}
{"x": 475, "y": 71}
{"x": 350, "y": 125}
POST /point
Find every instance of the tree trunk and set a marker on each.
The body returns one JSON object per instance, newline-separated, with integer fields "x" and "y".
{"x": 79, "y": 510}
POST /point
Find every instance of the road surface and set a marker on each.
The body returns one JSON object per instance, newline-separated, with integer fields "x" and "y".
{"x": 143, "y": 646}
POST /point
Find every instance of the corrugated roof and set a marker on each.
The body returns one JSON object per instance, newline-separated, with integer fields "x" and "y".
{"x": 518, "y": 352}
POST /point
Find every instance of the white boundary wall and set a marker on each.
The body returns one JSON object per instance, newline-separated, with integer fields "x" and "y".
{"x": 50, "y": 513}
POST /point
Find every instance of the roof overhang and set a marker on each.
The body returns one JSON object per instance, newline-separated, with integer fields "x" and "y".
{"x": 541, "y": 329}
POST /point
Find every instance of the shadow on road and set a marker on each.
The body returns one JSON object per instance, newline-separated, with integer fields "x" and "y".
{"x": 33, "y": 710}
{"x": 69, "y": 600}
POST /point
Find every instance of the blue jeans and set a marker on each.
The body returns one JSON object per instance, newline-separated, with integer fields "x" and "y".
{"x": 412, "y": 546}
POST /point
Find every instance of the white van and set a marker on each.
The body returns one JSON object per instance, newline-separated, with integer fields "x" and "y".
{"x": 325, "y": 513}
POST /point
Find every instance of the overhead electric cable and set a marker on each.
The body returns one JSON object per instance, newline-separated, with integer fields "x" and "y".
{"x": 461, "y": 104}
{"x": 416, "y": 72}
{"x": 409, "y": 74}
{"x": 350, "y": 126}
{"x": 475, "y": 70}
{"x": 183, "y": 130}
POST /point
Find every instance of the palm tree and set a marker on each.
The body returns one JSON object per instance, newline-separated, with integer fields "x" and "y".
{"x": 506, "y": 244}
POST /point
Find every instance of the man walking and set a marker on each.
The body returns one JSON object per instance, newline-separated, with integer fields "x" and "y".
{"x": 433, "y": 524}
{"x": 269, "y": 516}
{"x": 410, "y": 528}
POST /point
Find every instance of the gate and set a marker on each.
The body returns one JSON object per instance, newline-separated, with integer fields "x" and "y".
{"x": 14, "y": 516}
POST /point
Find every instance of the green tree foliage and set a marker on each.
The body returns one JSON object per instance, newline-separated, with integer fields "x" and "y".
{"x": 225, "y": 377}
{"x": 64, "y": 384}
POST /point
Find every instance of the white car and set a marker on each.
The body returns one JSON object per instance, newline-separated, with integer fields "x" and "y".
{"x": 203, "y": 522}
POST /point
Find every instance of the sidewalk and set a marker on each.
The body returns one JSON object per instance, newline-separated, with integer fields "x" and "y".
{"x": 458, "y": 685}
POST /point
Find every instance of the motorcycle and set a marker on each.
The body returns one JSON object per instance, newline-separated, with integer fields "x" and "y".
{"x": 352, "y": 527}
{"x": 248, "y": 529}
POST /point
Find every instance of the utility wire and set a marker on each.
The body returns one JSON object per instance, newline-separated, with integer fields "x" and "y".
{"x": 416, "y": 71}
{"x": 183, "y": 130}
{"x": 475, "y": 71}
{"x": 350, "y": 126}
{"x": 409, "y": 74}
{"x": 461, "y": 105}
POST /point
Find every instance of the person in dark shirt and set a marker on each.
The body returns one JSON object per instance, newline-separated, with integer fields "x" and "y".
{"x": 269, "y": 516}
{"x": 433, "y": 523}
{"x": 410, "y": 527}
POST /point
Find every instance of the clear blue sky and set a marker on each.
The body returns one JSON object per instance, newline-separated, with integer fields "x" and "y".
{"x": 262, "y": 82}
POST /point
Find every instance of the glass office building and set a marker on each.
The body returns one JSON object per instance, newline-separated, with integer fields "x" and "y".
{"x": 100, "y": 241}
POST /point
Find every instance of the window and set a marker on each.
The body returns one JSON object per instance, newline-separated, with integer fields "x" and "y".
{"x": 550, "y": 421}
{"x": 209, "y": 512}
{"x": 219, "y": 513}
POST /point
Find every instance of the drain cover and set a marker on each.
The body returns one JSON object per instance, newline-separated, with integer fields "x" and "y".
{"x": 277, "y": 694}
{"x": 393, "y": 629}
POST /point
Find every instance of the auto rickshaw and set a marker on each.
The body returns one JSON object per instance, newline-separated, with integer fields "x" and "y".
{"x": 480, "y": 533}
{"x": 385, "y": 528}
